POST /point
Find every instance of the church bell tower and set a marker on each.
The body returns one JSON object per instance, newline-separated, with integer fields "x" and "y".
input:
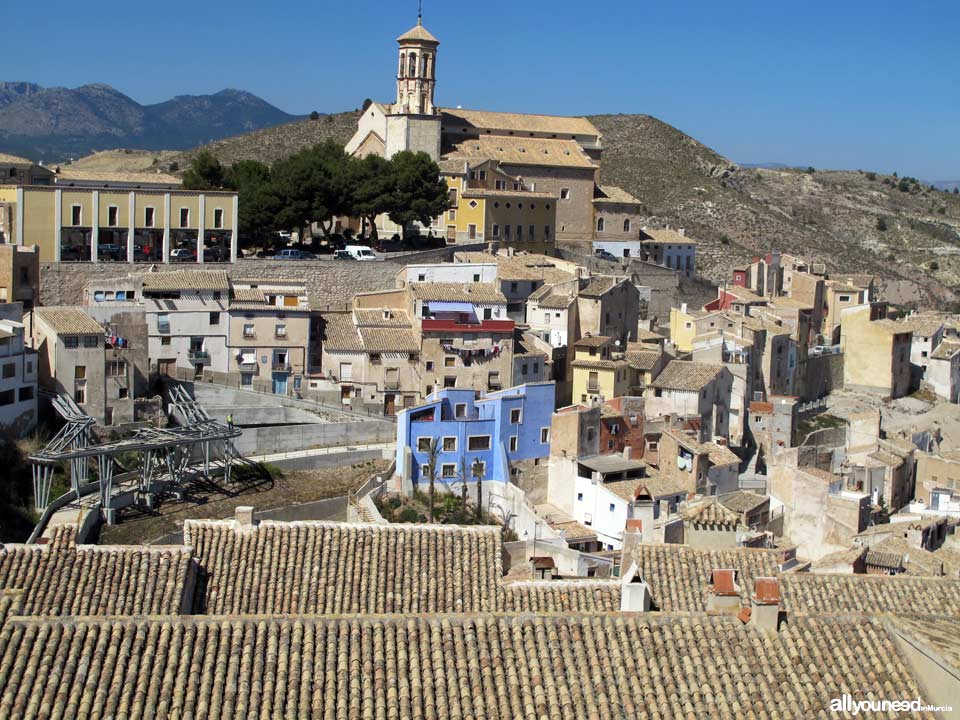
{"x": 416, "y": 72}
{"x": 413, "y": 123}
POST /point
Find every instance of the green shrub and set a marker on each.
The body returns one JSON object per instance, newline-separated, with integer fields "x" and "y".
{"x": 881, "y": 224}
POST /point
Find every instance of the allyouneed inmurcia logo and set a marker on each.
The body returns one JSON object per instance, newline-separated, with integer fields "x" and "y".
{"x": 846, "y": 703}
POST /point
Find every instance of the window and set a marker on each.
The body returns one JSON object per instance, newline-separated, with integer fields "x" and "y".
{"x": 613, "y": 508}
{"x": 452, "y": 214}
{"x": 844, "y": 298}
{"x": 513, "y": 287}
{"x": 579, "y": 497}
{"x": 545, "y": 435}
{"x": 26, "y": 393}
{"x": 214, "y": 318}
{"x": 460, "y": 410}
{"x": 472, "y": 231}
{"x": 113, "y": 215}
{"x": 546, "y": 231}
{"x": 163, "y": 323}
{"x": 564, "y": 193}
{"x": 280, "y": 330}
{"x": 429, "y": 365}
{"x": 449, "y": 361}
{"x": 516, "y": 416}
{"x": 626, "y": 225}
{"x": 523, "y": 369}
{"x": 448, "y": 470}
{"x": 424, "y": 470}
{"x": 184, "y": 217}
{"x": 423, "y": 444}
{"x": 514, "y": 442}
{"x": 519, "y": 232}
{"x": 9, "y": 370}
{"x": 476, "y": 277}
{"x": 76, "y": 215}
{"x": 516, "y": 185}
{"x": 165, "y": 340}
{"x": 80, "y": 391}
{"x": 533, "y": 232}
{"x": 71, "y": 341}
{"x": 449, "y": 381}
{"x": 7, "y": 397}
{"x": 421, "y": 277}
{"x": 449, "y": 444}
{"x": 148, "y": 217}
{"x": 478, "y": 442}
{"x": 506, "y": 231}
{"x": 218, "y": 218}
{"x": 599, "y": 224}
{"x": 249, "y": 330}
{"x": 116, "y": 368}
{"x": 482, "y": 175}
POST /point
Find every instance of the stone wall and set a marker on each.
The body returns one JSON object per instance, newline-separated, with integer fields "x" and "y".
{"x": 824, "y": 375}
{"x": 331, "y": 284}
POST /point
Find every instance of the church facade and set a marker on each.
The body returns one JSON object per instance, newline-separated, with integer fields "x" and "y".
{"x": 512, "y": 177}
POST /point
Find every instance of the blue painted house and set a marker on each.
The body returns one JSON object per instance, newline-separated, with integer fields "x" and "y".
{"x": 496, "y": 428}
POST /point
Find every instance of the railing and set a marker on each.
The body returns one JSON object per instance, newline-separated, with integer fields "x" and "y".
{"x": 280, "y": 333}
{"x": 249, "y": 333}
{"x": 249, "y": 366}
{"x": 198, "y": 355}
{"x": 282, "y": 367}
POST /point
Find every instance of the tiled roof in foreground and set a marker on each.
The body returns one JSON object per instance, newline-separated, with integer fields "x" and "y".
{"x": 61, "y": 578}
{"x": 330, "y": 567}
{"x": 873, "y": 594}
{"x": 604, "y": 667}
{"x": 679, "y": 576}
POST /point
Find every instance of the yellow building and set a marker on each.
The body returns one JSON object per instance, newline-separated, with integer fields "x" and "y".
{"x": 683, "y": 327}
{"x": 876, "y": 351}
{"x": 596, "y": 374}
{"x": 489, "y": 205}
{"x": 132, "y": 217}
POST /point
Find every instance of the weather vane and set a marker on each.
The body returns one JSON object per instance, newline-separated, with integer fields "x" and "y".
{"x": 420, "y": 11}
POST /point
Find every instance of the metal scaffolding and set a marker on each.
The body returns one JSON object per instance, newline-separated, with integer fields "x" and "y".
{"x": 168, "y": 457}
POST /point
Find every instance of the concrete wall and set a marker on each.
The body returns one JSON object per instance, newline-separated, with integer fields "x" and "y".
{"x": 824, "y": 374}
{"x": 284, "y": 438}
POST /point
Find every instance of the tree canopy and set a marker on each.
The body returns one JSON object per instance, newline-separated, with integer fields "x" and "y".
{"x": 320, "y": 183}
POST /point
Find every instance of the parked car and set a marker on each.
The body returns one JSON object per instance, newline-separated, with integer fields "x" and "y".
{"x": 608, "y": 256}
{"x": 110, "y": 251}
{"x": 355, "y": 252}
{"x": 182, "y": 255}
{"x": 73, "y": 252}
{"x": 291, "y": 254}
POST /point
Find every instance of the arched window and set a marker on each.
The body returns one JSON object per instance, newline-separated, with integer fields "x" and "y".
{"x": 423, "y": 104}
{"x": 599, "y": 224}
{"x": 412, "y": 65}
{"x": 626, "y": 225}
{"x": 403, "y": 58}
{"x": 411, "y": 102}
{"x": 423, "y": 66}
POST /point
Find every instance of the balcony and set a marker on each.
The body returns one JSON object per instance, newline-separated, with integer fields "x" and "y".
{"x": 593, "y": 387}
{"x": 391, "y": 385}
{"x": 454, "y": 326}
{"x": 163, "y": 328}
{"x": 282, "y": 367}
{"x": 280, "y": 333}
{"x": 199, "y": 356}
{"x": 248, "y": 366}
{"x": 250, "y": 334}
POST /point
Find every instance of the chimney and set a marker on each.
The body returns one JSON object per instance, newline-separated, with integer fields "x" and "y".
{"x": 682, "y": 232}
{"x": 243, "y": 516}
{"x": 723, "y": 594}
{"x": 664, "y": 508}
{"x": 683, "y": 308}
{"x": 626, "y": 452}
{"x": 634, "y": 591}
{"x": 765, "y": 604}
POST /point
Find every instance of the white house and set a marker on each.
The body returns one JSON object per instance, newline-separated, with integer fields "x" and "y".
{"x": 552, "y": 313}
{"x": 943, "y": 371}
{"x": 18, "y": 374}
{"x": 448, "y": 272}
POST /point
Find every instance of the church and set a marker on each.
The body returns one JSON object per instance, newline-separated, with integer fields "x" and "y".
{"x": 512, "y": 177}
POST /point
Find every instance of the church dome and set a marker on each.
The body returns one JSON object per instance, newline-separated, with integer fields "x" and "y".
{"x": 418, "y": 33}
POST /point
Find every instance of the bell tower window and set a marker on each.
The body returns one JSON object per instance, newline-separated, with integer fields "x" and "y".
{"x": 412, "y": 67}
{"x": 403, "y": 58}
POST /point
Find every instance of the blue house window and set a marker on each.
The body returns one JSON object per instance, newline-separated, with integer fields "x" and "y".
{"x": 612, "y": 507}
{"x": 579, "y": 497}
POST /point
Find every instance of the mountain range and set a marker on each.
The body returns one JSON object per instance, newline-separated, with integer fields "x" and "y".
{"x": 55, "y": 124}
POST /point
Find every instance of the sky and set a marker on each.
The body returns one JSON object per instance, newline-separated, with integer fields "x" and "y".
{"x": 843, "y": 84}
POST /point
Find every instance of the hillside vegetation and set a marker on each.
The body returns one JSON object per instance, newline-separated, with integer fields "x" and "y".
{"x": 854, "y": 221}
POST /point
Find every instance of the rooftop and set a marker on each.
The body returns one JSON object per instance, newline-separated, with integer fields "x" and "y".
{"x": 483, "y": 293}
{"x": 667, "y": 236}
{"x": 418, "y": 33}
{"x": 686, "y": 375}
{"x": 612, "y": 194}
{"x": 520, "y": 151}
{"x": 519, "y": 122}
{"x": 69, "y": 320}
{"x": 186, "y": 280}
{"x": 710, "y": 511}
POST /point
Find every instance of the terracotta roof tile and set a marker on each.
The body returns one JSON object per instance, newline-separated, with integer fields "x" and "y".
{"x": 69, "y": 320}
{"x": 686, "y": 375}
{"x": 482, "y": 293}
{"x": 520, "y": 151}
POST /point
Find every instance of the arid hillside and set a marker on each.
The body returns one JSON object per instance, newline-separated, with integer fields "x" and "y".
{"x": 857, "y": 221}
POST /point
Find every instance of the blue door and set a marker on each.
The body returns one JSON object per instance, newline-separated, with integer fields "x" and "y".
{"x": 279, "y": 383}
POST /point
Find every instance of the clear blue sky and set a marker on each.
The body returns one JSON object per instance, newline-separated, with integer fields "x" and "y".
{"x": 840, "y": 84}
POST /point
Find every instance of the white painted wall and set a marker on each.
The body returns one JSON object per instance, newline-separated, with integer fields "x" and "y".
{"x": 450, "y": 272}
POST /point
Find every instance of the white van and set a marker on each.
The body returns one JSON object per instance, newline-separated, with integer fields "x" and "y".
{"x": 355, "y": 252}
